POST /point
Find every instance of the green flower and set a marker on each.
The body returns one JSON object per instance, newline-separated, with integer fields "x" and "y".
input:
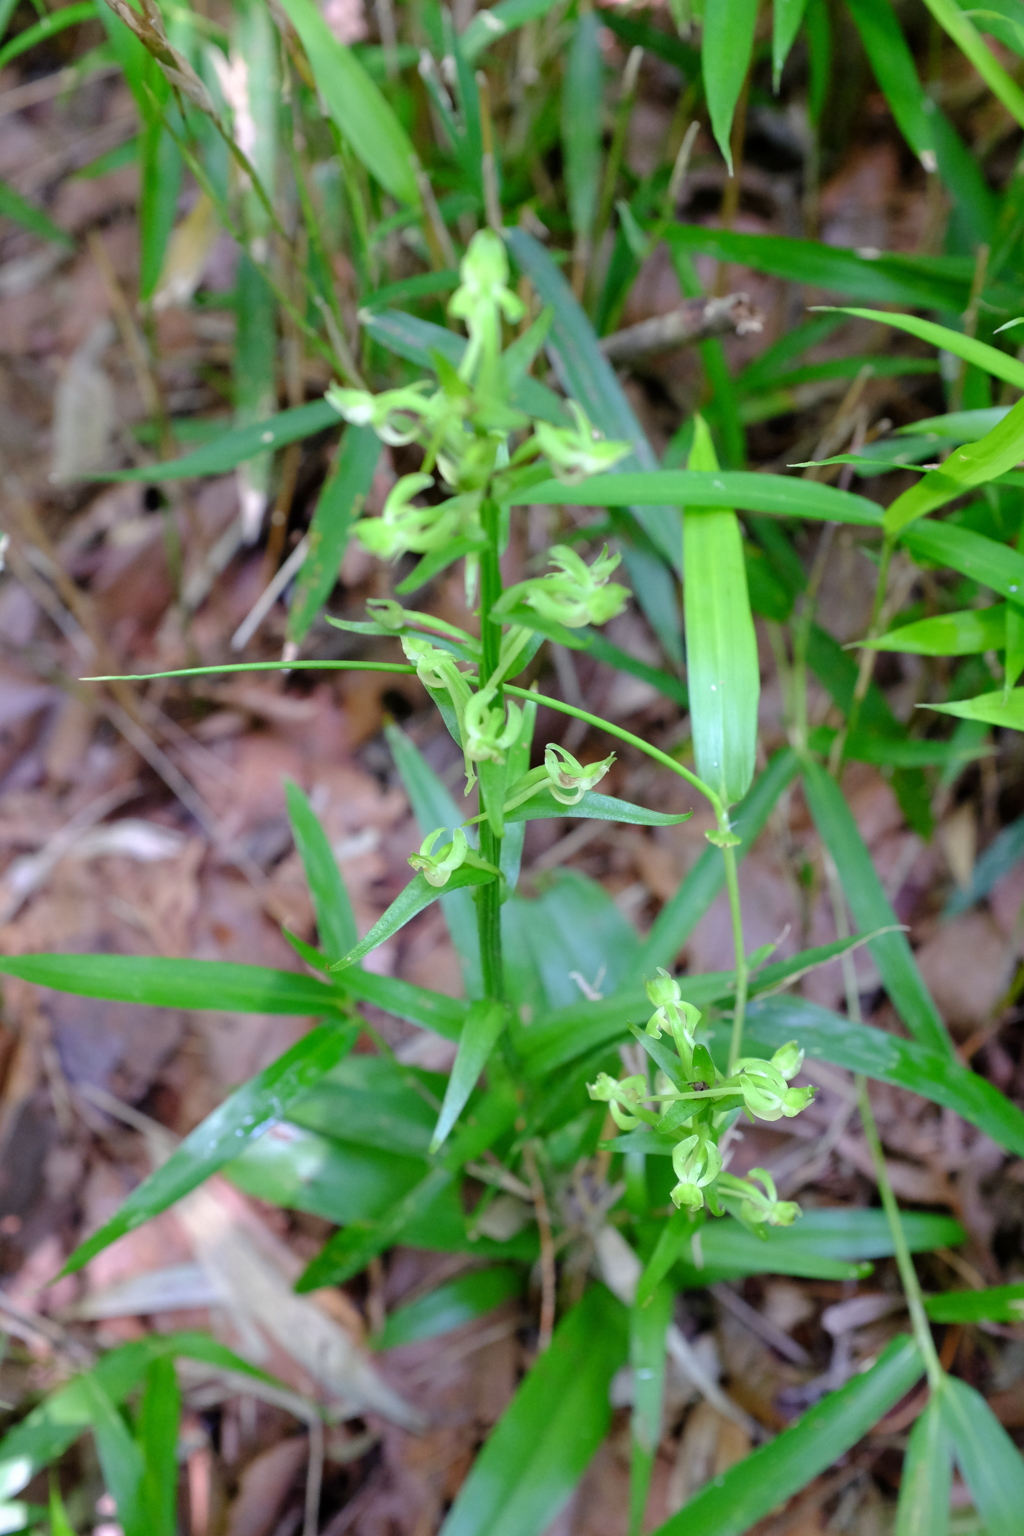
{"x": 437, "y": 868}
{"x": 481, "y": 300}
{"x": 575, "y": 453}
{"x": 697, "y": 1162}
{"x": 396, "y": 415}
{"x": 568, "y": 779}
{"x": 621, "y": 1097}
{"x": 576, "y": 594}
{"x": 761, "y": 1207}
{"x": 788, "y": 1060}
{"x": 490, "y": 730}
{"x": 764, "y": 1090}
{"x": 674, "y": 1013}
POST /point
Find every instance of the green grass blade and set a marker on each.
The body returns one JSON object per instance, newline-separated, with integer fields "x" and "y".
{"x": 582, "y": 96}
{"x": 984, "y": 560}
{"x": 734, "y": 1502}
{"x": 965, "y": 633}
{"x": 989, "y": 1461}
{"x": 999, "y": 858}
{"x": 339, "y": 504}
{"x": 417, "y": 1005}
{"x": 14, "y": 206}
{"x": 60, "y": 1525}
{"x": 243, "y": 1116}
{"x": 926, "y": 1483}
{"x": 965, "y": 34}
{"x": 484, "y": 1023}
{"x": 871, "y": 910}
{"x": 234, "y": 447}
{"x": 49, "y": 26}
{"x": 722, "y": 671}
{"x": 682, "y": 912}
{"x": 169, "y": 983}
{"x": 356, "y": 105}
{"x": 433, "y": 806}
{"x": 120, "y": 1459}
{"x": 335, "y": 919}
{"x": 999, "y": 708}
{"x": 415, "y": 898}
{"x": 449, "y": 1306}
{"x": 776, "y": 495}
{"x": 786, "y": 18}
{"x": 728, "y": 44}
{"x": 889, "y": 1059}
{"x": 541, "y": 1445}
{"x": 648, "y": 1335}
{"x": 1001, "y": 365}
{"x": 971, "y": 465}
{"x": 994, "y": 1304}
{"x": 159, "y": 1419}
{"x": 489, "y": 26}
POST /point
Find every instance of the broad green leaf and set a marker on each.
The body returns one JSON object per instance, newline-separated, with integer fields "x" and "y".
{"x": 572, "y": 932}
{"x": 682, "y": 912}
{"x": 373, "y": 1101}
{"x": 999, "y": 708}
{"x": 593, "y": 807}
{"x": 432, "y": 807}
{"x": 648, "y": 1335}
{"x": 484, "y": 1023}
{"x": 737, "y": 1500}
{"x": 540, "y": 1447}
{"x": 350, "y": 1250}
{"x": 356, "y": 105}
{"x": 56, "y": 1423}
{"x": 159, "y": 1418}
{"x": 995, "y": 1304}
{"x": 340, "y": 1181}
{"x": 727, "y": 45}
{"x": 236, "y": 446}
{"x": 777, "y": 495}
{"x": 120, "y": 1458}
{"x": 928, "y": 282}
{"x": 786, "y": 18}
{"x": 926, "y": 1483}
{"x": 934, "y": 1074}
{"x": 722, "y": 670}
{"x": 244, "y": 1115}
{"x": 415, "y": 898}
{"x": 872, "y": 910}
{"x": 989, "y": 1461}
{"x": 926, "y": 129}
{"x": 449, "y": 1306}
{"x": 338, "y": 506}
{"x": 49, "y": 26}
{"x": 167, "y": 983}
{"x": 490, "y": 25}
{"x": 966, "y": 633}
{"x": 335, "y": 920}
{"x": 1006, "y": 850}
{"x": 965, "y": 34}
{"x": 582, "y": 96}
{"x": 984, "y": 560}
{"x": 13, "y": 206}
{"x": 968, "y": 466}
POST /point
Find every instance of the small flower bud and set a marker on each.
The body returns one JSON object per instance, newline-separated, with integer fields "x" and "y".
{"x": 437, "y": 868}
{"x": 788, "y": 1060}
{"x": 569, "y": 779}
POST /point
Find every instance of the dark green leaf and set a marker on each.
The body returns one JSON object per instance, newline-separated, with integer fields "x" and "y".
{"x": 725, "y": 57}
{"x": 927, "y": 1477}
{"x": 159, "y": 1418}
{"x": 988, "y": 1459}
{"x": 450, "y": 1306}
{"x": 777, "y": 495}
{"x": 415, "y": 898}
{"x": 995, "y": 1304}
{"x": 970, "y": 465}
{"x": 484, "y": 1023}
{"x": 648, "y": 1335}
{"x": 350, "y": 1250}
{"x": 966, "y": 633}
{"x": 120, "y": 1458}
{"x": 496, "y": 22}
{"x": 339, "y": 504}
{"x": 582, "y": 91}
{"x": 417, "y": 1005}
{"x": 242, "y": 1117}
{"x": 541, "y": 1445}
{"x": 167, "y": 983}
{"x": 737, "y": 1500}
{"x": 47, "y": 27}
{"x": 335, "y": 920}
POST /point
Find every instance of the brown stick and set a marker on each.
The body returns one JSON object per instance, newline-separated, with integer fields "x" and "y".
{"x": 695, "y": 320}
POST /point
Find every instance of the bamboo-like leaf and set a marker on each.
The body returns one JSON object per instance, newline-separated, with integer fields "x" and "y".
{"x": 415, "y": 898}
{"x": 964, "y": 33}
{"x": 243, "y": 1116}
{"x": 582, "y": 95}
{"x": 999, "y": 708}
{"x": 417, "y": 1005}
{"x": 872, "y": 910}
{"x": 734, "y": 1502}
{"x": 540, "y": 1447}
{"x": 159, "y": 1419}
{"x": 167, "y": 983}
{"x": 648, "y": 1337}
{"x": 994, "y": 1304}
{"x": 335, "y": 919}
{"x": 985, "y": 560}
{"x": 966, "y": 633}
{"x": 980, "y": 354}
{"x": 484, "y": 1023}
{"x": 970, "y": 465}
{"x": 593, "y": 807}
{"x": 786, "y": 18}
{"x": 723, "y": 675}
{"x": 726, "y": 49}
{"x": 358, "y": 109}
{"x": 449, "y": 1306}
{"x": 934, "y": 1074}
{"x": 926, "y": 1483}
{"x": 957, "y": 426}
{"x": 990, "y": 1463}
{"x": 777, "y": 495}
{"x": 338, "y": 506}
{"x": 234, "y": 447}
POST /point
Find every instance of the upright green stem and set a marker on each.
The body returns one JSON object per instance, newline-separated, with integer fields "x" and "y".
{"x": 488, "y": 899}
{"x": 742, "y": 975}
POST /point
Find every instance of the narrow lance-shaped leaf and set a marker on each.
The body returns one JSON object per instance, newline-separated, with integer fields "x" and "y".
{"x": 159, "y": 1418}
{"x": 14, "y": 206}
{"x": 242, "y": 1117}
{"x": 966, "y": 633}
{"x": 1004, "y": 707}
{"x": 776, "y": 495}
{"x": 1002, "y": 365}
{"x": 786, "y": 18}
{"x": 168, "y": 983}
{"x": 648, "y": 1336}
{"x": 338, "y": 506}
{"x": 582, "y": 95}
{"x": 356, "y": 105}
{"x": 985, "y": 560}
{"x": 727, "y": 45}
{"x": 236, "y": 446}
{"x": 120, "y": 1459}
{"x": 961, "y": 28}
{"x": 972, "y": 464}
{"x": 335, "y": 920}
{"x": 484, "y": 1023}
{"x": 722, "y": 669}
{"x": 1014, "y": 643}
{"x": 449, "y": 1306}
{"x": 415, "y": 898}
{"x": 999, "y": 858}
{"x": 990, "y": 1463}
{"x": 926, "y": 1483}
{"x": 593, "y": 807}
{"x": 994, "y": 1304}
{"x": 734, "y": 1502}
{"x": 540, "y": 1447}
{"x": 349, "y": 1251}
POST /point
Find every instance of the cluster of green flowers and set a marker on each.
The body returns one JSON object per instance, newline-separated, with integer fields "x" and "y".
{"x": 697, "y": 1103}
